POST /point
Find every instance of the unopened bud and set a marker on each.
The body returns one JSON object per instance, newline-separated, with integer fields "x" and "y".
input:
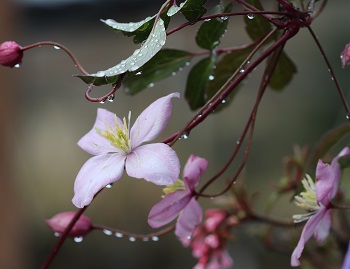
{"x": 59, "y": 223}
{"x": 10, "y": 54}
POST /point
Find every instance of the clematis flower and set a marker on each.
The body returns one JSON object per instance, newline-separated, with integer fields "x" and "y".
{"x": 117, "y": 147}
{"x": 181, "y": 200}
{"x": 317, "y": 199}
{"x": 10, "y": 54}
{"x": 59, "y": 223}
{"x": 345, "y": 56}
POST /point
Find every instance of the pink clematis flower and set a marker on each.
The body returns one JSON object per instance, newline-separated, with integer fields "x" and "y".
{"x": 181, "y": 200}
{"x": 59, "y": 223}
{"x": 117, "y": 147}
{"x": 10, "y": 54}
{"x": 317, "y": 199}
{"x": 346, "y": 263}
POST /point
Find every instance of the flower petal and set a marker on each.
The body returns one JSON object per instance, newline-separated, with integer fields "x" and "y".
{"x": 95, "y": 174}
{"x": 322, "y": 229}
{"x": 157, "y": 163}
{"x": 168, "y": 208}
{"x": 189, "y": 219}
{"x": 308, "y": 231}
{"x": 346, "y": 263}
{"x": 194, "y": 169}
{"x": 152, "y": 120}
{"x": 327, "y": 181}
{"x": 94, "y": 143}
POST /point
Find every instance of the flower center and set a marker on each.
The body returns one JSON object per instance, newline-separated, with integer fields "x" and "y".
{"x": 118, "y": 136}
{"x": 306, "y": 200}
{"x": 179, "y": 185}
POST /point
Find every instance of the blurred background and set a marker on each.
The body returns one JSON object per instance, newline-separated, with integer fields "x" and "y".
{"x": 43, "y": 113}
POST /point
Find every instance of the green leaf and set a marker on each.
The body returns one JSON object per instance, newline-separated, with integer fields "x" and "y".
{"x": 225, "y": 67}
{"x": 193, "y": 9}
{"x": 99, "y": 81}
{"x": 197, "y": 82}
{"x": 256, "y": 25}
{"x": 162, "y": 65}
{"x": 146, "y": 52}
{"x": 328, "y": 141}
{"x": 284, "y": 71}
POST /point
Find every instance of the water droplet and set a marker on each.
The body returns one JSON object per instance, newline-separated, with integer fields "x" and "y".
{"x": 110, "y": 99}
{"x": 136, "y": 52}
{"x": 138, "y": 73}
{"x": 238, "y": 142}
{"x": 207, "y": 20}
{"x": 347, "y": 116}
{"x": 107, "y": 232}
{"x": 56, "y": 234}
{"x": 224, "y": 18}
{"x": 102, "y": 102}
{"x": 150, "y": 85}
{"x": 132, "y": 239}
{"x": 250, "y": 16}
{"x": 185, "y": 136}
{"x": 211, "y": 77}
{"x": 17, "y": 65}
{"x": 56, "y": 47}
{"x": 173, "y": 73}
{"x": 187, "y": 63}
{"x": 155, "y": 238}
{"x": 223, "y": 101}
{"x": 241, "y": 71}
{"x": 332, "y": 78}
{"x": 109, "y": 186}
{"x": 119, "y": 235}
{"x": 78, "y": 239}
{"x": 145, "y": 239}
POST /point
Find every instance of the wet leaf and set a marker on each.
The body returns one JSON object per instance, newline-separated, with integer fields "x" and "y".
{"x": 283, "y": 73}
{"x": 194, "y": 9}
{"x": 197, "y": 82}
{"x": 99, "y": 81}
{"x": 210, "y": 33}
{"x": 163, "y": 64}
{"x": 256, "y": 25}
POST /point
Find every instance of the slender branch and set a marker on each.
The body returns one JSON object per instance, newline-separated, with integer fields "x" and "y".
{"x": 58, "y": 45}
{"x": 133, "y": 235}
{"x": 333, "y": 76}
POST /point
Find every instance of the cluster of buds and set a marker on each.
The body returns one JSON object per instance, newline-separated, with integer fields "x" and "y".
{"x": 210, "y": 238}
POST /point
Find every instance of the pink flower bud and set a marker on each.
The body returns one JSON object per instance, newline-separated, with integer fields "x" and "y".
{"x": 10, "y": 54}
{"x": 345, "y": 56}
{"x": 59, "y": 222}
{"x": 214, "y": 218}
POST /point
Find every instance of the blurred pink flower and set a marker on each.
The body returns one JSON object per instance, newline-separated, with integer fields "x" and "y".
{"x": 116, "y": 148}
{"x": 346, "y": 263}
{"x": 345, "y": 56}
{"x": 10, "y": 54}
{"x": 59, "y": 223}
{"x": 181, "y": 200}
{"x": 209, "y": 241}
{"x": 317, "y": 199}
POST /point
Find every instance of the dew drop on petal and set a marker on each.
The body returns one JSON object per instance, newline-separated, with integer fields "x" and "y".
{"x": 155, "y": 238}
{"x": 188, "y": 237}
{"x": 119, "y": 235}
{"x": 78, "y": 239}
{"x": 107, "y": 232}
